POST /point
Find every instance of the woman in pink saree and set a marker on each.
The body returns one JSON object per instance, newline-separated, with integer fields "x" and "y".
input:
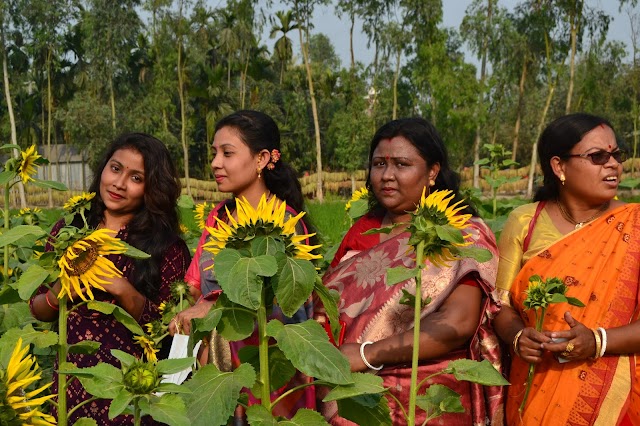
{"x": 406, "y": 156}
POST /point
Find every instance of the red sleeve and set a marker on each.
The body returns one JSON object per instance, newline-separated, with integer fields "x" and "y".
{"x": 470, "y": 280}
{"x": 354, "y": 240}
{"x": 192, "y": 277}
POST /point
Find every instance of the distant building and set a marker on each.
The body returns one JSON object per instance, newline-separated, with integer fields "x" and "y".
{"x": 68, "y": 165}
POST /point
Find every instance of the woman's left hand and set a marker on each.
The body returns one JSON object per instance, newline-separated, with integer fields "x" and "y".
{"x": 352, "y": 352}
{"x": 580, "y": 342}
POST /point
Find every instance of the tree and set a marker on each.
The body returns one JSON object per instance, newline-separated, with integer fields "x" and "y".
{"x": 283, "y": 47}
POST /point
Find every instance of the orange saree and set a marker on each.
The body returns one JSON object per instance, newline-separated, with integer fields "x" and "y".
{"x": 601, "y": 265}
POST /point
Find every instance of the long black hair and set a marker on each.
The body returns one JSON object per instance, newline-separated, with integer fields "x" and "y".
{"x": 155, "y": 226}
{"x": 557, "y": 140}
{"x": 258, "y": 131}
{"x": 426, "y": 139}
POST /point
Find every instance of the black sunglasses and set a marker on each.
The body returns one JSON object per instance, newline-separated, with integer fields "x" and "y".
{"x": 600, "y": 158}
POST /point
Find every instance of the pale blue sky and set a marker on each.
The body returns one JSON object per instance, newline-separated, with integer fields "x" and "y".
{"x": 337, "y": 30}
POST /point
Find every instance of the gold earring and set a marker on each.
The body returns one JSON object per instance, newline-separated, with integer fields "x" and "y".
{"x": 259, "y": 170}
{"x": 432, "y": 182}
{"x": 562, "y": 179}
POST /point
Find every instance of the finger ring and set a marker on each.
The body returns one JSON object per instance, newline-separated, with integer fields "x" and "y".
{"x": 568, "y": 349}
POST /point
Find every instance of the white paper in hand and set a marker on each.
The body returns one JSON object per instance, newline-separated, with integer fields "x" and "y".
{"x": 178, "y": 349}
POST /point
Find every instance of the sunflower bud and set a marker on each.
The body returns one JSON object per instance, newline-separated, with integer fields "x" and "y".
{"x": 141, "y": 378}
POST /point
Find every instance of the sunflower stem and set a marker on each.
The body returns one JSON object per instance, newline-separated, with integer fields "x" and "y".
{"x": 6, "y": 228}
{"x": 413, "y": 392}
{"x": 532, "y": 367}
{"x": 62, "y": 357}
{"x": 263, "y": 352}
{"x": 136, "y": 412}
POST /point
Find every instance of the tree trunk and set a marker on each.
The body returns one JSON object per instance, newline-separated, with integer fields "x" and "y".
{"x": 314, "y": 111}
{"x": 483, "y": 74}
{"x": 353, "y": 57}
{"x": 396, "y": 76}
{"x": 534, "y": 149}
{"x": 112, "y": 98}
{"x": 516, "y": 130}
{"x": 12, "y": 119}
{"x": 575, "y": 23}
{"x": 49, "y": 113}
{"x": 183, "y": 114}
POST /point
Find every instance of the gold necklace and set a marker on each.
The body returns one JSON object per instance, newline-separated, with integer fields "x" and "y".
{"x": 565, "y": 214}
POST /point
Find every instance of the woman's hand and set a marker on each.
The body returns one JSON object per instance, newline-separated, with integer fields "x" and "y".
{"x": 530, "y": 345}
{"x": 181, "y": 323}
{"x": 352, "y": 352}
{"x": 580, "y": 342}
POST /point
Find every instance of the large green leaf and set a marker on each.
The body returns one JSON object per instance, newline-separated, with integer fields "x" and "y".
{"x": 120, "y": 403}
{"x": 85, "y": 421}
{"x": 186, "y": 202}
{"x": 245, "y": 280}
{"x": 8, "y": 339}
{"x": 439, "y": 400}
{"x": 400, "y": 274}
{"x": 294, "y": 283}
{"x": 359, "y": 410}
{"x": 14, "y": 234}
{"x": 236, "y": 322}
{"x": 201, "y": 327}
{"x": 363, "y": 384}
{"x": 175, "y": 365}
{"x": 280, "y": 368}
{"x": 257, "y": 415}
{"x": 134, "y": 252}
{"x": 58, "y": 186}
{"x": 102, "y": 380}
{"x": 87, "y": 347}
{"x": 30, "y": 280}
{"x": 120, "y": 314}
{"x": 7, "y": 176}
{"x": 479, "y": 254}
{"x": 225, "y": 261}
{"x": 215, "y": 394}
{"x": 307, "y": 346}
{"x": 266, "y": 245}
{"x": 358, "y": 208}
{"x": 330, "y": 306}
{"x": 449, "y": 233}
{"x": 478, "y": 372}
{"x": 168, "y": 408}
{"x": 9, "y": 295}
{"x": 305, "y": 417}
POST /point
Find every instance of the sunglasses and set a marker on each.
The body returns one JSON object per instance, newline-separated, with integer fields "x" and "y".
{"x": 600, "y": 158}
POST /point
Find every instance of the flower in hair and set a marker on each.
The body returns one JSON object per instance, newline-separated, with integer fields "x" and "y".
{"x": 275, "y": 156}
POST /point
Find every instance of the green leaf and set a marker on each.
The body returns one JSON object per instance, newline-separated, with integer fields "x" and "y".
{"x": 135, "y": 253}
{"x": 244, "y": 282}
{"x": 307, "y": 346}
{"x": 557, "y": 298}
{"x": 201, "y": 327}
{"x": 102, "y": 380}
{"x": 257, "y": 415}
{"x": 266, "y": 245}
{"x": 575, "y": 302}
{"x": 9, "y": 146}
{"x": 14, "y": 234}
{"x": 30, "y": 281}
{"x": 294, "y": 283}
{"x": 358, "y": 208}
{"x": 305, "y": 417}
{"x": 359, "y": 410}
{"x": 400, "y": 274}
{"x": 120, "y": 403}
{"x": 479, "y": 254}
{"x": 172, "y": 388}
{"x": 120, "y": 314}
{"x": 236, "y": 323}
{"x": 9, "y": 295}
{"x": 58, "y": 186}
{"x": 449, "y": 233}
{"x": 8, "y": 339}
{"x": 330, "y": 307}
{"x": 280, "y": 368}
{"x": 439, "y": 400}
{"x": 477, "y": 372}
{"x": 169, "y": 409}
{"x": 363, "y": 384}
{"x": 186, "y": 202}
{"x": 126, "y": 359}
{"x": 7, "y": 176}
{"x": 481, "y": 162}
{"x": 87, "y": 347}
{"x": 225, "y": 261}
{"x": 175, "y": 365}
{"x": 85, "y": 421}
{"x": 215, "y": 394}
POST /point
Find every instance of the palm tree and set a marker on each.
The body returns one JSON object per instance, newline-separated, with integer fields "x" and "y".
{"x": 283, "y": 47}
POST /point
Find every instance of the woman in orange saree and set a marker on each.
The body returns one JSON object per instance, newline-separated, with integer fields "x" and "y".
{"x": 580, "y": 234}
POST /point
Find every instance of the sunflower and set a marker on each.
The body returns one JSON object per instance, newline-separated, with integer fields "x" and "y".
{"x": 267, "y": 220}
{"x": 85, "y": 262}
{"x": 202, "y": 212}
{"x": 148, "y": 346}
{"x": 435, "y": 218}
{"x": 360, "y": 194}
{"x": 77, "y": 202}
{"x": 28, "y": 164}
{"x": 21, "y": 372}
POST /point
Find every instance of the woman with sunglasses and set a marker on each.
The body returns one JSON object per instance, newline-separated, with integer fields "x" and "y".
{"x": 576, "y": 231}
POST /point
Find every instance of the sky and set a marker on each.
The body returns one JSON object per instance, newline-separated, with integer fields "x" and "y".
{"x": 325, "y": 21}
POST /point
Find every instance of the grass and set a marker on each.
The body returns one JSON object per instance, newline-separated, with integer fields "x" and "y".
{"x": 329, "y": 220}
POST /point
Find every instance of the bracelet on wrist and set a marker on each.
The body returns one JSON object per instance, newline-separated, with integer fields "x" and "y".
{"x": 515, "y": 342}
{"x": 364, "y": 359}
{"x": 598, "y": 339}
{"x": 603, "y": 349}
{"x": 51, "y": 305}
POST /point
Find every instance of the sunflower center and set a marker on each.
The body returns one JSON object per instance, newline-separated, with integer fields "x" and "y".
{"x": 85, "y": 260}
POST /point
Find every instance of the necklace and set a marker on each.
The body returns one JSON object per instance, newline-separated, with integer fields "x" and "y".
{"x": 565, "y": 214}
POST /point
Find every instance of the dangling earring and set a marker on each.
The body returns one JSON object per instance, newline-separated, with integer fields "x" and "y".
{"x": 562, "y": 179}
{"x": 432, "y": 182}
{"x": 259, "y": 170}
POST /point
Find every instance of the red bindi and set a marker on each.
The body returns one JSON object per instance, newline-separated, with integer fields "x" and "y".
{"x": 386, "y": 157}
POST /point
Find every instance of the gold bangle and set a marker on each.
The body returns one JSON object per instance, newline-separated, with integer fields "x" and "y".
{"x": 596, "y": 335}
{"x": 515, "y": 342}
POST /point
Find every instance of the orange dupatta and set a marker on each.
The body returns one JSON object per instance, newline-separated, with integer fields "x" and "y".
{"x": 601, "y": 265}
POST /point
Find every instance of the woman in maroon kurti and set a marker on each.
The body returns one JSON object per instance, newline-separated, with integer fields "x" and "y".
{"x": 128, "y": 202}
